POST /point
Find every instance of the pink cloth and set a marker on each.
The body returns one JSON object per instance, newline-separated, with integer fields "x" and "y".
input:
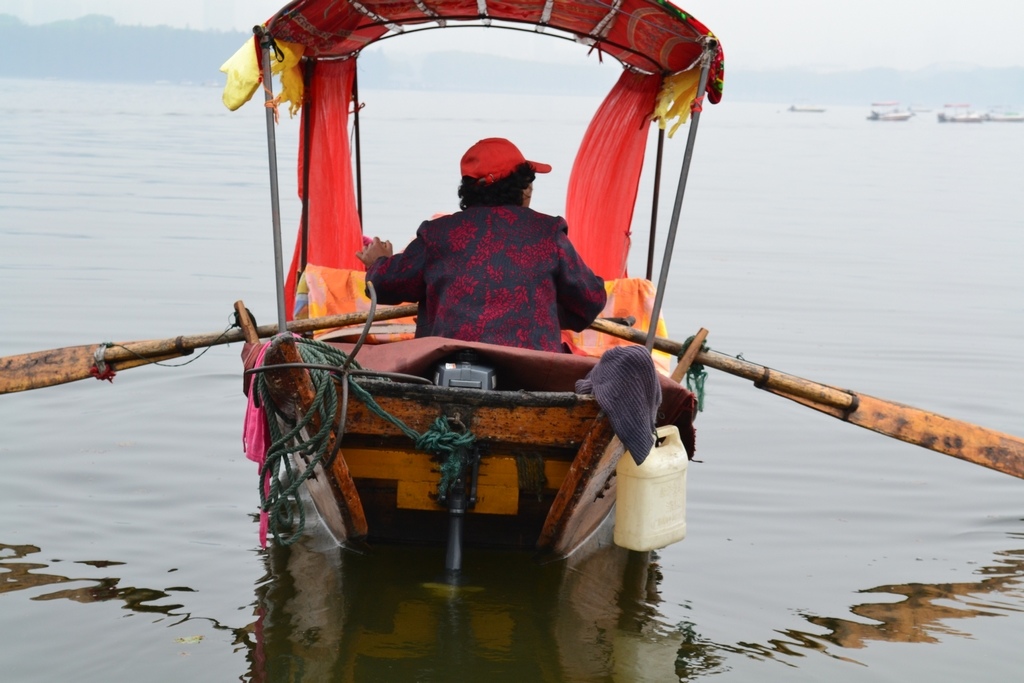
{"x": 256, "y": 438}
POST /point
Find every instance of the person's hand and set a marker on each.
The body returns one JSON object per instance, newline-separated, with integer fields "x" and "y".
{"x": 375, "y": 250}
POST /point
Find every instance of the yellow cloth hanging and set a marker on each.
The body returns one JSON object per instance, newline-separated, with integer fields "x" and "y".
{"x": 243, "y": 72}
{"x": 291, "y": 74}
{"x": 678, "y": 92}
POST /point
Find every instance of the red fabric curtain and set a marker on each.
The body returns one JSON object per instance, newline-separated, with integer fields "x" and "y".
{"x": 335, "y": 234}
{"x": 605, "y": 176}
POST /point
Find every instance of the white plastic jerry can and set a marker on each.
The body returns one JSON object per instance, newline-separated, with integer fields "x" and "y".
{"x": 650, "y": 506}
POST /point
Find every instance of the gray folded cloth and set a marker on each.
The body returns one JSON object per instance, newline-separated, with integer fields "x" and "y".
{"x": 625, "y": 384}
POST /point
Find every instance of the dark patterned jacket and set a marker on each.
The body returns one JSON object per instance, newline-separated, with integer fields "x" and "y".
{"x": 501, "y": 275}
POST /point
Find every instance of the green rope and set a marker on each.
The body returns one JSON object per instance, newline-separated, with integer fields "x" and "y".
{"x": 281, "y": 503}
{"x": 279, "y": 479}
{"x": 696, "y": 375}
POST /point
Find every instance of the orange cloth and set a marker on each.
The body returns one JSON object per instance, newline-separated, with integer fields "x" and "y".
{"x": 626, "y": 297}
{"x": 332, "y": 291}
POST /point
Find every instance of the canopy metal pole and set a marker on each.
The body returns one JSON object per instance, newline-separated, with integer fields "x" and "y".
{"x": 266, "y": 42}
{"x": 655, "y": 202}
{"x": 307, "y": 136}
{"x": 705, "y": 66}
{"x": 359, "y": 154}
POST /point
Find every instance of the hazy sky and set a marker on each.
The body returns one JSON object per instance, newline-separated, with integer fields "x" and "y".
{"x": 904, "y": 34}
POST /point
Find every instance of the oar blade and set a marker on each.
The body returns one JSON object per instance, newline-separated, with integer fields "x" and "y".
{"x": 973, "y": 443}
{"x": 970, "y": 442}
{"x": 60, "y": 366}
{"x": 46, "y": 368}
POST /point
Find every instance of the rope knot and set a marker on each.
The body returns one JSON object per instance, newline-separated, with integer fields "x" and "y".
{"x": 454, "y": 449}
{"x": 441, "y": 439}
{"x": 273, "y": 102}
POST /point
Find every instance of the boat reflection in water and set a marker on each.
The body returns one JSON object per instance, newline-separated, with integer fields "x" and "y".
{"x": 926, "y": 609}
{"x": 330, "y": 614}
{"x": 21, "y": 570}
{"x": 18, "y": 574}
{"x": 389, "y": 615}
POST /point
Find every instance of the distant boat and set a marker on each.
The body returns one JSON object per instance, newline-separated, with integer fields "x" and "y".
{"x": 966, "y": 117}
{"x": 893, "y": 114}
{"x": 807, "y": 108}
{"x": 890, "y": 116}
{"x": 961, "y": 114}
{"x": 1005, "y": 116}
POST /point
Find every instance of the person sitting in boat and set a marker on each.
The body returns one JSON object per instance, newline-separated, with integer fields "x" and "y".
{"x": 497, "y": 271}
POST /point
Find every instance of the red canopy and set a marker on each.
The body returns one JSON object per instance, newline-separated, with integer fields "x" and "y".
{"x": 652, "y": 36}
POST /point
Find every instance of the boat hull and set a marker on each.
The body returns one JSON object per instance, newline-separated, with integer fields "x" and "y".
{"x": 546, "y": 478}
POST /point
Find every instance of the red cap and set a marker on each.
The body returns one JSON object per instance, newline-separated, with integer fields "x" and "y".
{"x": 495, "y": 158}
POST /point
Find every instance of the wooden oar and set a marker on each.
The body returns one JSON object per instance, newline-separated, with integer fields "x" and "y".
{"x": 970, "y": 442}
{"x": 59, "y": 366}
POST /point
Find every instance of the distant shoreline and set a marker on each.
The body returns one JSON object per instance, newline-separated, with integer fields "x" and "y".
{"x": 94, "y": 49}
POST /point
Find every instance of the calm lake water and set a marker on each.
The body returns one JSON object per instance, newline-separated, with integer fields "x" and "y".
{"x": 885, "y": 258}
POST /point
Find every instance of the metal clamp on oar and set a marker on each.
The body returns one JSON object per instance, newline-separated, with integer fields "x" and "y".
{"x": 101, "y": 370}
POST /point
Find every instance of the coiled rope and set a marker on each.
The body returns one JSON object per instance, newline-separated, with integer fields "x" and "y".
{"x": 279, "y": 478}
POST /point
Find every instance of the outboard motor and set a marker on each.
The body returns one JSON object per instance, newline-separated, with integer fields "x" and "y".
{"x": 462, "y": 371}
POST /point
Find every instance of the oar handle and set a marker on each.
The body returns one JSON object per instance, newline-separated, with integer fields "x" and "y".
{"x": 767, "y": 378}
{"x": 760, "y": 375}
{"x": 187, "y": 343}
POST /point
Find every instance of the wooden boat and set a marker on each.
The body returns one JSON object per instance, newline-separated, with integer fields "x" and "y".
{"x": 527, "y": 465}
